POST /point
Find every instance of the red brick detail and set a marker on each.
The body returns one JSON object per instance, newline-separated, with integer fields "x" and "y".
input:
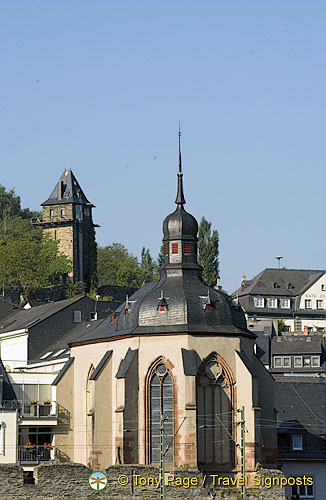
{"x": 166, "y": 249}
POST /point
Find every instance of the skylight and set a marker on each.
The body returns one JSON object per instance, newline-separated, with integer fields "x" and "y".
{"x": 58, "y": 353}
{"x": 46, "y": 355}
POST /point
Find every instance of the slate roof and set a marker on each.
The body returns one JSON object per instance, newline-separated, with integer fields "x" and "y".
{"x": 7, "y": 308}
{"x": 301, "y": 402}
{"x": 98, "y": 370}
{"x": 126, "y": 362}
{"x": 61, "y": 349}
{"x": 263, "y": 342}
{"x": 185, "y": 312}
{"x": 25, "y": 318}
{"x": 117, "y": 292}
{"x": 67, "y": 190}
{"x": 289, "y": 282}
{"x": 297, "y": 344}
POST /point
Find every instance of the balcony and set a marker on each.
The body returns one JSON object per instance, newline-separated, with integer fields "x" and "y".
{"x": 34, "y": 455}
{"x": 39, "y": 410}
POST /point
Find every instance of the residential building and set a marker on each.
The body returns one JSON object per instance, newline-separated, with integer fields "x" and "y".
{"x": 26, "y": 333}
{"x": 301, "y": 412}
{"x": 295, "y": 296}
{"x": 9, "y": 414}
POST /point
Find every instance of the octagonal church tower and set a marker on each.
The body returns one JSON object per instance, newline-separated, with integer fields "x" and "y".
{"x": 176, "y": 348}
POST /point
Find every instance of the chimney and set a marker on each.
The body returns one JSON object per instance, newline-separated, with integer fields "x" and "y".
{"x": 243, "y": 281}
{"x": 305, "y": 330}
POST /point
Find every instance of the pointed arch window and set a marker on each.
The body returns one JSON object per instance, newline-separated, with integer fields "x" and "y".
{"x": 215, "y": 418}
{"x": 159, "y": 402}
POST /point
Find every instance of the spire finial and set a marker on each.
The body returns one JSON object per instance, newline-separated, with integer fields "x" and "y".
{"x": 180, "y": 199}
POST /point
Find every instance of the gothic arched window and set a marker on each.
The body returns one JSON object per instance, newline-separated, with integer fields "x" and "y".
{"x": 160, "y": 402}
{"x": 215, "y": 386}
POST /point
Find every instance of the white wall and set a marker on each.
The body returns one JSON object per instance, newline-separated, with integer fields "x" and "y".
{"x": 8, "y": 436}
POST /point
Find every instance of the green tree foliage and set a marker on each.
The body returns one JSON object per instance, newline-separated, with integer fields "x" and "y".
{"x": 9, "y": 203}
{"x": 116, "y": 266}
{"x": 208, "y": 251}
{"x": 31, "y": 264}
{"x": 15, "y": 222}
{"x": 161, "y": 255}
{"x": 148, "y": 266}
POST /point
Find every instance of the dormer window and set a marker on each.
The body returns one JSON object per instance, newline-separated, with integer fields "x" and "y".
{"x": 162, "y": 303}
{"x": 297, "y": 443}
{"x": 206, "y": 302}
{"x": 259, "y": 302}
{"x": 175, "y": 248}
{"x": 51, "y": 212}
{"x": 272, "y": 303}
{"x": 129, "y": 305}
{"x": 187, "y": 249}
{"x": 285, "y": 303}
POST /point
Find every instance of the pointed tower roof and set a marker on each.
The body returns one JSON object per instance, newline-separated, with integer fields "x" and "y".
{"x": 67, "y": 190}
{"x": 180, "y": 225}
{"x": 180, "y": 199}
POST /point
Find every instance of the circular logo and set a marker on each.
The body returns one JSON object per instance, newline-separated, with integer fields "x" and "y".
{"x": 98, "y": 480}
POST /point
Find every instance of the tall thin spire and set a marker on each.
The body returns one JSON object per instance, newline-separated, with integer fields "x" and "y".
{"x": 180, "y": 199}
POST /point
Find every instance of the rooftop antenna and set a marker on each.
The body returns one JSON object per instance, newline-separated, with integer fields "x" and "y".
{"x": 279, "y": 257}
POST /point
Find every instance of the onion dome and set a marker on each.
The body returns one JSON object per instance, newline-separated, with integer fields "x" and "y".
{"x": 180, "y": 302}
{"x": 180, "y": 231}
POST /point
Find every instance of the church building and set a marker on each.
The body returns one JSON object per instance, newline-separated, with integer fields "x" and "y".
{"x": 176, "y": 348}
{"x": 67, "y": 217}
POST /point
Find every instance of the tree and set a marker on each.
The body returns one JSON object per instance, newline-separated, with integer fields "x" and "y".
{"x": 116, "y": 266}
{"x": 161, "y": 255}
{"x": 32, "y": 264}
{"x": 148, "y": 267}
{"x": 9, "y": 203}
{"x": 208, "y": 251}
{"x": 15, "y": 227}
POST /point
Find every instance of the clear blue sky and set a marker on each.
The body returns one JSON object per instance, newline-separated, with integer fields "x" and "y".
{"x": 100, "y": 86}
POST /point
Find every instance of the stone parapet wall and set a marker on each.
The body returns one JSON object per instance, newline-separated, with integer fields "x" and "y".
{"x": 70, "y": 481}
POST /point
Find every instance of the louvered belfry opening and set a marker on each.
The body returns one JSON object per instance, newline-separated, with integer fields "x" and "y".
{"x": 160, "y": 401}
{"x": 215, "y": 429}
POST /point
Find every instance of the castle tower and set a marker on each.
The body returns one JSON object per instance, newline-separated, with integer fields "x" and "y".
{"x": 67, "y": 217}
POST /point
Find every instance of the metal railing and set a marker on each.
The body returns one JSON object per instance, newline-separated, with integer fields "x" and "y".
{"x": 34, "y": 455}
{"x": 39, "y": 410}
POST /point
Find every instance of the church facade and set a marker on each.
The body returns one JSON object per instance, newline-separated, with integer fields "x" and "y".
{"x": 176, "y": 348}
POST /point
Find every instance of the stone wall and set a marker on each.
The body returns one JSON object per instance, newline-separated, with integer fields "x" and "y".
{"x": 70, "y": 481}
